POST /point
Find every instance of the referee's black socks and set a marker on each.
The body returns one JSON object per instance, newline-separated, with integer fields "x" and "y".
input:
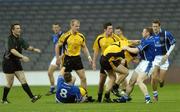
{"x": 27, "y": 90}
{"x": 5, "y": 93}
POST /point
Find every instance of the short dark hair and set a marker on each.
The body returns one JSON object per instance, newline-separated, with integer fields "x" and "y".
{"x": 56, "y": 24}
{"x": 107, "y": 24}
{"x": 119, "y": 27}
{"x": 157, "y": 21}
{"x": 150, "y": 30}
{"x": 67, "y": 77}
{"x": 12, "y": 26}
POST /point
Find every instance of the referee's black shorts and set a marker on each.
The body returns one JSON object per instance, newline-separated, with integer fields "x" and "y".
{"x": 10, "y": 66}
{"x": 72, "y": 63}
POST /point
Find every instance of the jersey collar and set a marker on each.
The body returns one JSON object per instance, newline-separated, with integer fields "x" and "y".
{"x": 72, "y": 32}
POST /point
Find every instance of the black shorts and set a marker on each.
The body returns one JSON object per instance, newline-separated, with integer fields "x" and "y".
{"x": 72, "y": 63}
{"x": 11, "y": 65}
{"x": 105, "y": 65}
{"x": 101, "y": 69}
{"x": 126, "y": 65}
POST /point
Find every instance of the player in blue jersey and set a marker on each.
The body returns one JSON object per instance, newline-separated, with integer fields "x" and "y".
{"x": 164, "y": 43}
{"x": 52, "y": 67}
{"x": 143, "y": 71}
{"x": 67, "y": 92}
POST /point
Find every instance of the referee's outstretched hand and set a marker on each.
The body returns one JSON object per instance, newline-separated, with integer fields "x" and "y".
{"x": 37, "y": 50}
{"x": 25, "y": 59}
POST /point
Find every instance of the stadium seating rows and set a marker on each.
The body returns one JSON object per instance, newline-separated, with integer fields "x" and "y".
{"x": 36, "y": 17}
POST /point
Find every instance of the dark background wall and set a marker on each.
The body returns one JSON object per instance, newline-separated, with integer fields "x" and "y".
{"x": 37, "y": 16}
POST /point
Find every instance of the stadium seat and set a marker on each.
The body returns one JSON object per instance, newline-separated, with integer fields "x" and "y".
{"x": 37, "y": 16}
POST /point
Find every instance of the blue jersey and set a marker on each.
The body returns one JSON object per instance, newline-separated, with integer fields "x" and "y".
{"x": 55, "y": 38}
{"x": 163, "y": 41}
{"x": 67, "y": 93}
{"x": 147, "y": 49}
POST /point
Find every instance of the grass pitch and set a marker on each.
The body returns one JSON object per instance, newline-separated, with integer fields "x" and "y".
{"x": 169, "y": 101}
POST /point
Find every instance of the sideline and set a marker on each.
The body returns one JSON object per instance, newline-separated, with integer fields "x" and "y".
{"x": 41, "y": 78}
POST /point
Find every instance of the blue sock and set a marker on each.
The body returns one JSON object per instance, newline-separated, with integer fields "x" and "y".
{"x": 147, "y": 97}
{"x": 155, "y": 93}
{"x": 52, "y": 88}
{"x": 125, "y": 97}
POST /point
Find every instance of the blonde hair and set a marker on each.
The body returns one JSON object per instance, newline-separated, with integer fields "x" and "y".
{"x": 73, "y": 21}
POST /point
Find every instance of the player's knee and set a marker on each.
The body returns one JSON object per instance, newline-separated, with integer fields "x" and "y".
{"x": 132, "y": 82}
{"x": 103, "y": 76}
{"x": 154, "y": 77}
{"x": 102, "y": 79}
{"x": 49, "y": 73}
{"x": 113, "y": 79}
{"x": 139, "y": 82}
{"x": 23, "y": 80}
{"x": 83, "y": 79}
{"x": 101, "y": 83}
{"x": 9, "y": 83}
{"x": 127, "y": 73}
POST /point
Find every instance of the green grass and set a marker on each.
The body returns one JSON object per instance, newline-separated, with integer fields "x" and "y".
{"x": 169, "y": 101}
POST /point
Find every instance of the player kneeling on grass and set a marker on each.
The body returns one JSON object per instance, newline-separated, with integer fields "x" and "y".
{"x": 67, "y": 92}
{"x": 143, "y": 71}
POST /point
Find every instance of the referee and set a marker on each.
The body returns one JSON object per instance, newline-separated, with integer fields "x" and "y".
{"x": 12, "y": 62}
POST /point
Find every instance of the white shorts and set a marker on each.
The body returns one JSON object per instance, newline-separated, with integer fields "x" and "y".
{"x": 53, "y": 61}
{"x": 144, "y": 67}
{"x": 157, "y": 61}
